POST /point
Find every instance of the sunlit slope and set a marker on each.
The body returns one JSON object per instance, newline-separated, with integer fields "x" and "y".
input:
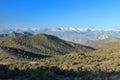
{"x": 103, "y": 43}
{"x": 44, "y": 44}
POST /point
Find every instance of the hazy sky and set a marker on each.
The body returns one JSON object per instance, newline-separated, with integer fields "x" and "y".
{"x": 60, "y": 13}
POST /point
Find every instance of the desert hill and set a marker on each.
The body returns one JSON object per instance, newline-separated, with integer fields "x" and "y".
{"x": 44, "y": 44}
{"x": 103, "y": 43}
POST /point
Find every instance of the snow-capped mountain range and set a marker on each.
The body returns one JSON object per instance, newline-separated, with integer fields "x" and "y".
{"x": 77, "y": 35}
{"x": 38, "y": 30}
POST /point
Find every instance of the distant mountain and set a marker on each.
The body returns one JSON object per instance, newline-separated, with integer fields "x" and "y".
{"x": 3, "y": 35}
{"x": 26, "y": 33}
{"x": 43, "y": 44}
{"x": 103, "y": 43}
{"x": 76, "y": 35}
{"x": 15, "y": 34}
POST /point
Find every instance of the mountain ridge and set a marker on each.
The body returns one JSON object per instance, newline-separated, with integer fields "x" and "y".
{"x": 43, "y": 43}
{"x": 76, "y": 35}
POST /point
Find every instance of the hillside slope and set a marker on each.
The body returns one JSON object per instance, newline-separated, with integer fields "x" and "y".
{"x": 44, "y": 44}
{"x": 6, "y": 57}
{"x": 103, "y": 43}
{"x": 101, "y": 64}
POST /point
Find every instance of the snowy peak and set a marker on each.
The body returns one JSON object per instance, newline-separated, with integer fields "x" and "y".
{"x": 77, "y": 35}
{"x": 44, "y": 30}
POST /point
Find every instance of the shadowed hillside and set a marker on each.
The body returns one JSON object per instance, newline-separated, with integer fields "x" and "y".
{"x": 53, "y": 73}
{"x": 20, "y": 54}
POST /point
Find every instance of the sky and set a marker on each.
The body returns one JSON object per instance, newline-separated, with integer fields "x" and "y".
{"x": 98, "y": 14}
